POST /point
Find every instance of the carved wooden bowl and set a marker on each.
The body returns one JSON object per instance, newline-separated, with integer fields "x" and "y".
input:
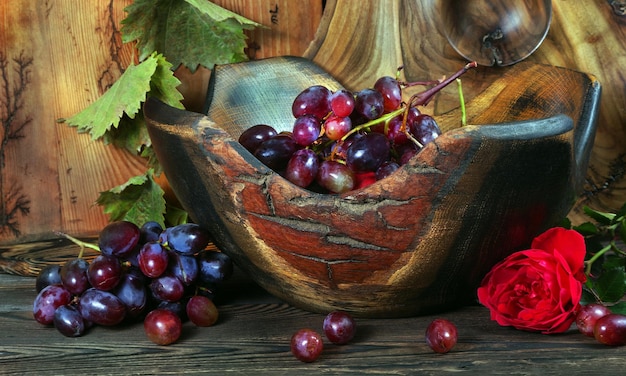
{"x": 416, "y": 242}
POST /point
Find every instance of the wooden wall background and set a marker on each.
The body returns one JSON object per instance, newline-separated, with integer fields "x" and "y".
{"x": 59, "y": 56}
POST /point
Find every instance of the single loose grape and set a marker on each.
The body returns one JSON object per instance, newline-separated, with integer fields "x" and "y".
{"x": 441, "y": 335}
{"x": 588, "y": 315}
{"x": 307, "y": 345}
{"x": 611, "y": 330}
{"x": 339, "y": 327}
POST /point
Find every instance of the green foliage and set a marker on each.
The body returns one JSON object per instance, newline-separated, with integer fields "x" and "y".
{"x": 189, "y": 32}
{"x": 167, "y": 33}
{"x": 605, "y": 262}
{"x": 139, "y": 200}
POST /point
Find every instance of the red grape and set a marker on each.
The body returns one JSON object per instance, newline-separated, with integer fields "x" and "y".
{"x": 390, "y": 89}
{"x": 587, "y": 317}
{"x": 441, "y": 335}
{"x": 425, "y": 129}
{"x": 306, "y": 129}
{"x": 307, "y": 345}
{"x": 153, "y": 259}
{"x": 302, "y": 167}
{"x": 335, "y": 127}
{"x": 104, "y": 272}
{"x": 167, "y": 288}
{"x": 313, "y": 100}
{"x": 47, "y": 301}
{"x": 119, "y": 238}
{"x": 342, "y": 103}
{"x": 339, "y": 327}
{"x": 611, "y": 330}
{"x": 368, "y": 153}
{"x": 74, "y": 275}
{"x": 202, "y": 311}
{"x": 162, "y": 326}
{"x": 335, "y": 177}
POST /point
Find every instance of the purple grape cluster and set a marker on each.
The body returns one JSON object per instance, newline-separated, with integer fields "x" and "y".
{"x": 345, "y": 140}
{"x": 161, "y": 276}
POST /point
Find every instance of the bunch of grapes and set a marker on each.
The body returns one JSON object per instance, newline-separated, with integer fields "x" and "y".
{"x": 342, "y": 140}
{"x": 161, "y": 276}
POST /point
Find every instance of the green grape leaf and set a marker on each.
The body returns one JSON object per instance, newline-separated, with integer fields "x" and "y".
{"x": 189, "y": 32}
{"x": 130, "y": 134}
{"x": 586, "y": 228}
{"x": 124, "y": 97}
{"x": 610, "y": 285}
{"x": 601, "y": 217}
{"x": 164, "y": 85}
{"x": 619, "y": 308}
{"x": 175, "y": 216}
{"x": 139, "y": 200}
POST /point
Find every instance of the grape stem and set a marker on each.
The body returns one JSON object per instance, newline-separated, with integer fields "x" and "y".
{"x": 80, "y": 243}
{"x": 462, "y": 101}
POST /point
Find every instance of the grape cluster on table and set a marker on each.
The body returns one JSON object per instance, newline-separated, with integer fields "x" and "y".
{"x": 161, "y": 276}
{"x": 342, "y": 140}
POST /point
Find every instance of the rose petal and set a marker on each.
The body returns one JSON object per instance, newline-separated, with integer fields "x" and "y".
{"x": 569, "y": 243}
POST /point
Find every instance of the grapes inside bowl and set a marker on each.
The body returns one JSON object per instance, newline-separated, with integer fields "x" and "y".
{"x": 417, "y": 241}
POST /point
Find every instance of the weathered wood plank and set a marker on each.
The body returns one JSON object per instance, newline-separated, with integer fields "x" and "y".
{"x": 252, "y": 337}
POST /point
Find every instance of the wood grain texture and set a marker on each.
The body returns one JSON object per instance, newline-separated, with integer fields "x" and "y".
{"x": 589, "y": 37}
{"x": 74, "y": 53}
{"x": 252, "y": 337}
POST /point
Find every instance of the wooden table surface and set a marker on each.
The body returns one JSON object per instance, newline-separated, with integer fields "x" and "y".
{"x": 253, "y": 333}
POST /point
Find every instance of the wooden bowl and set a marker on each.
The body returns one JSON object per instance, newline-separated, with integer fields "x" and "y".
{"x": 416, "y": 242}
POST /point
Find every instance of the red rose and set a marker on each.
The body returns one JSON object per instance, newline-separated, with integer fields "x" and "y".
{"x": 538, "y": 289}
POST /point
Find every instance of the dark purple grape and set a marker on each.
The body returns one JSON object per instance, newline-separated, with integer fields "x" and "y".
{"x": 276, "y": 152}
{"x": 153, "y": 259}
{"x": 69, "y": 322}
{"x": 424, "y": 128}
{"x": 342, "y": 103}
{"x": 368, "y": 152}
{"x": 302, "y": 167}
{"x": 441, "y": 335}
{"x": 49, "y": 275}
{"x": 339, "y": 327}
{"x": 254, "y": 136}
{"x": 386, "y": 168}
{"x": 178, "y": 307}
{"x": 162, "y": 326}
{"x": 74, "y": 275}
{"x": 119, "y": 238}
{"x": 187, "y": 238}
{"x": 133, "y": 292}
{"x": 47, "y": 301}
{"x": 405, "y": 152}
{"x": 150, "y": 232}
{"x": 588, "y": 315}
{"x": 335, "y": 127}
{"x": 610, "y": 330}
{"x": 101, "y": 307}
{"x": 104, "y": 272}
{"x": 391, "y": 91}
{"x": 307, "y": 345}
{"x": 335, "y": 177}
{"x": 168, "y": 288}
{"x": 369, "y": 104}
{"x": 202, "y": 311}
{"x": 214, "y": 267}
{"x": 314, "y": 100}
{"x": 183, "y": 267}
{"x": 306, "y": 129}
